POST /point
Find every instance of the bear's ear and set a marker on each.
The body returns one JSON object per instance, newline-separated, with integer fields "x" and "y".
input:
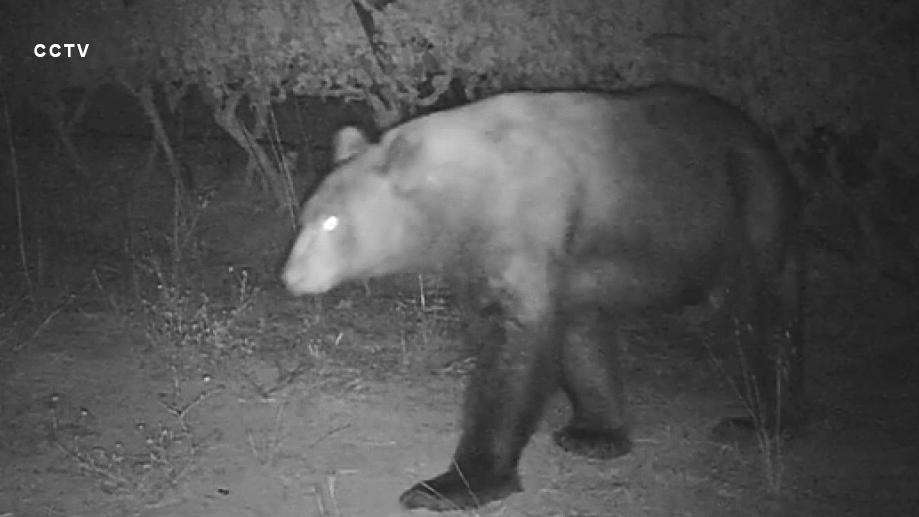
{"x": 349, "y": 141}
{"x": 403, "y": 157}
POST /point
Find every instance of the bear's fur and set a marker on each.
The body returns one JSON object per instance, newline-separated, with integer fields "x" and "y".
{"x": 552, "y": 214}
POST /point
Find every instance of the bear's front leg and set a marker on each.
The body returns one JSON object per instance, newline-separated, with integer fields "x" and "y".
{"x": 517, "y": 370}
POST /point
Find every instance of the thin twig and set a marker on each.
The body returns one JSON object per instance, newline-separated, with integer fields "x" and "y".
{"x": 41, "y": 326}
{"x": 328, "y": 434}
{"x": 180, "y": 411}
{"x": 14, "y": 170}
{"x": 88, "y": 465}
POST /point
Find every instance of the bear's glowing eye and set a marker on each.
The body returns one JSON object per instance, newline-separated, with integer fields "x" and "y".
{"x": 330, "y": 223}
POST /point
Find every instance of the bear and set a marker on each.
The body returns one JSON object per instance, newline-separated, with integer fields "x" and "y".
{"x": 552, "y": 214}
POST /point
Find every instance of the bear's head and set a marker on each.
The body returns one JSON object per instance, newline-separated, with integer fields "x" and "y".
{"x": 365, "y": 218}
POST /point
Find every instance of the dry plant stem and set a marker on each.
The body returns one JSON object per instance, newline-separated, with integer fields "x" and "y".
{"x": 55, "y": 110}
{"x": 770, "y": 446}
{"x": 465, "y": 482}
{"x": 88, "y": 465}
{"x": 14, "y": 170}
{"x": 38, "y": 330}
{"x": 176, "y": 217}
{"x": 328, "y": 434}
{"x": 774, "y": 471}
{"x": 330, "y": 483}
{"x": 421, "y": 294}
{"x": 144, "y": 95}
{"x": 287, "y": 196}
{"x": 188, "y": 226}
{"x": 326, "y": 503}
{"x": 181, "y": 411}
{"x": 285, "y": 378}
{"x": 81, "y": 460}
{"x": 115, "y": 306}
{"x": 258, "y": 160}
{"x": 267, "y": 451}
{"x": 65, "y": 128}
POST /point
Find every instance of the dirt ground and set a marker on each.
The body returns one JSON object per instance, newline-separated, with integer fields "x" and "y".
{"x": 135, "y": 390}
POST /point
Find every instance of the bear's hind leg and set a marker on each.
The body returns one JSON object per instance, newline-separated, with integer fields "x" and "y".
{"x": 592, "y": 379}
